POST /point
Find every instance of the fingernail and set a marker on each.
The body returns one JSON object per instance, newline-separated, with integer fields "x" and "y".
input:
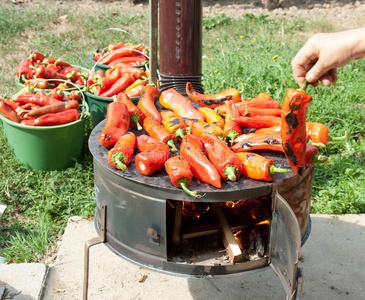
{"x": 310, "y": 77}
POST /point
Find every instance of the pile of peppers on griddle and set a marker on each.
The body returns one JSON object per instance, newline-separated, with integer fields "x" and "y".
{"x": 217, "y": 141}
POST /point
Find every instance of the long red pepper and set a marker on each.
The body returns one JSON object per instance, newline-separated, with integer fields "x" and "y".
{"x": 318, "y": 134}
{"x": 54, "y": 108}
{"x": 258, "y": 167}
{"x": 213, "y": 100}
{"x": 198, "y": 127}
{"x": 119, "y": 85}
{"x": 116, "y": 124}
{"x": 115, "y": 54}
{"x": 223, "y": 158}
{"x": 173, "y": 100}
{"x": 135, "y": 115}
{"x": 265, "y": 142}
{"x": 107, "y": 81}
{"x": 134, "y": 60}
{"x": 293, "y": 128}
{"x": 231, "y": 128}
{"x": 39, "y": 98}
{"x": 8, "y": 112}
{"x": 147, "y": 103}
{"x": 211, "y": 116}
{"x": 153, "y": 155}
{"x": 253, "y": 111}
{"x": 191, "y": 149}
{"x": 122, "y": 152}
{"x": 174, "y": 123}
{"x": 262, "y": 104}
{"x": 49, "y": 73}
{"x": 59, "y": 118}
{"x": 257, "y": 121}
{"x": 180, "y": 174}
{"x": 159, "y": 132}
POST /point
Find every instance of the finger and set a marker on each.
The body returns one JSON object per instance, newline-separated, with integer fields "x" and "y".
{"x": 317, "y": 71}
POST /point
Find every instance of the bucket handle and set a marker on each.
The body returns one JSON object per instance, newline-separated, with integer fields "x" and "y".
{"x": 50, "y": 44}
{"x": 105, "y": 54}
{"x": 118, "y": 29}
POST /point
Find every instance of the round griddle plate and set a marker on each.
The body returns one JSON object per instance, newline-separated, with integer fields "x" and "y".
{"x": 161, "y": 180}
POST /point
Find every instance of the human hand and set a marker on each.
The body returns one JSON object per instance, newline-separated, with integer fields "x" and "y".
{"x": 323, "y": 53}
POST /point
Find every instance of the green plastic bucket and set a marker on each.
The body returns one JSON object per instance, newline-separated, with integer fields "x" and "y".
{"x": 45, "y": 148}
{"x": 82, "y": 69}
{"x": 98, "y": 107}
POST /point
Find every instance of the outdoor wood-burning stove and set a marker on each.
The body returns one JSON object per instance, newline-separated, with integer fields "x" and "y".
{"x": 244, "y": 226}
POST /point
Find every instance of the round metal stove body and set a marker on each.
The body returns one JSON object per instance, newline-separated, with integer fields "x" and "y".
{"x": 136, "y": 206}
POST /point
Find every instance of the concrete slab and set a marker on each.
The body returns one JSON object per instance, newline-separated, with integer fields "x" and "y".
{"x": 22, "y": 281}
{"x": 333, "y": 268}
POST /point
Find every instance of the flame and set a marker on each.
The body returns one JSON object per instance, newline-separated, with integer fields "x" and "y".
{"x": 265, "y": 222}
{"x": 194, "y": 210}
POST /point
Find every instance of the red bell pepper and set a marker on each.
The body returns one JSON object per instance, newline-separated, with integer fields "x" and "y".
{"x": 191, "y": 149}
{"x": 116, "y": 124}
{"x": 223, "y": 158}
{"x": 122, "y": 152}
{"x": 293, "y": 128}
{"x": 258, "y": 167}
{"x": 146, "y": 103}
{"x": 180, "y": 174}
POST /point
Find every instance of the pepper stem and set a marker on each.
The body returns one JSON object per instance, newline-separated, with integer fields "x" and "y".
{"x": 231, "y": 172}
{"x": 118, "y": 159}
{"x": 318, "y": 145}
{"x": 273, "y": 170}
{"x": 231, "y": 135}
{"x": 340, "y": 138}
{"x": 135, "y": 119}
{"x": 171, "y": 144}
{"x": 182, "y": 182}
{"x": 304, "y": 86}
{"x": 318, "y": 159}
{"x": 179, "y": 133}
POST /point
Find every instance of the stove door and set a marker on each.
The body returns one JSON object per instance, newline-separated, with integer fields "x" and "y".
{"x": 285, "y": 241}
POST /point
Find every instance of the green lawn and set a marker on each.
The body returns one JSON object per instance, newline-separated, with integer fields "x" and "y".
{"x": 254, "y": 51}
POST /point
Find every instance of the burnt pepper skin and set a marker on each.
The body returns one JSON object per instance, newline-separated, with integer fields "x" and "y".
{"x": 293, "y": 128}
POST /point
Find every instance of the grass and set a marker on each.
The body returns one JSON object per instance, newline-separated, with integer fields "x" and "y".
{"x": 253, "y": 51}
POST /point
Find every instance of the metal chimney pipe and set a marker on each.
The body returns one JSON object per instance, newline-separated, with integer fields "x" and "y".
{"x": 180, "y": 44}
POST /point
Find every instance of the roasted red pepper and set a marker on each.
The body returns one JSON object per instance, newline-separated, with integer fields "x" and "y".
{"x": 312, "y": 156}
{"x": 211, "y": 116}
{"x": 231, "y": 128}
{"x": 122, "y": 82}
{"x": 293, "y": 128}
{"x": 180, "y": 174}
{"x": 258, "y": 167}
{"x": 258, "y": 121}
{"x": 223, "y": 158}
{"x": 116, "y": 124}
{"x": 198, "y": 127}
{"x": 273, "y": 129}
{"x": 54, "y": 108}
{"x": 122, "y": 152}
{"x": 265, "y": 142}
{"x": 160, "y": 133}
{"x": 8, "y": 112}
{"x": 253, "y": 111}
{"x": 173, "y": 100}
{"x": 261, "y": 104}
{"x": 318, "y": 134}
{"x": 153, "y": 155}
{"x": 147, "y": 103}
{"x": 213, "y": 100}
{"x": 191, "y": 149}
{"x": 174, "y": 123}
{"x": 59, "y": 118}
